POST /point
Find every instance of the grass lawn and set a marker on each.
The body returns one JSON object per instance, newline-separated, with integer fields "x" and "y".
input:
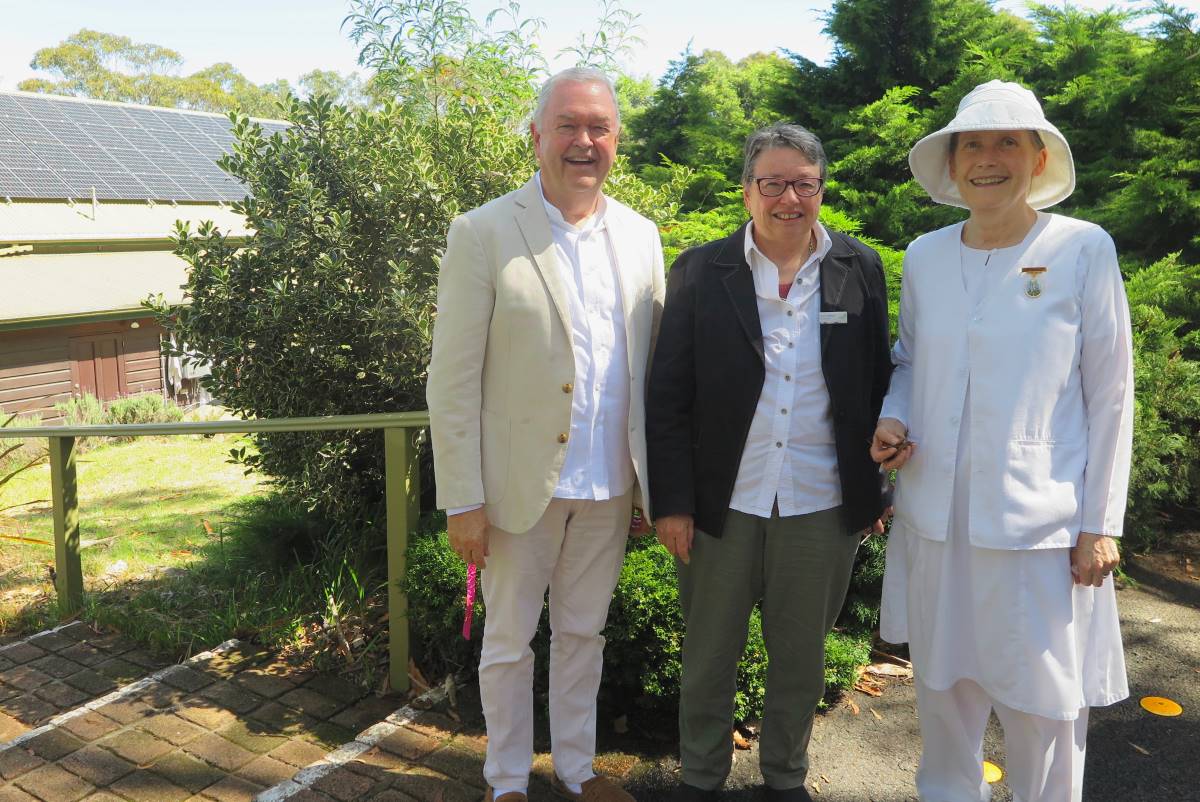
{"x": 146, "y": 507}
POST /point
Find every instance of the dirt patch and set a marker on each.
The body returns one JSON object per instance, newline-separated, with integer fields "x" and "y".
{"x": 1180, "y": 560}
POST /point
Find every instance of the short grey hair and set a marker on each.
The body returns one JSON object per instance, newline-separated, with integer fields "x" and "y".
{"x": 783, "y": 135}
{"x": 582, "y": 75}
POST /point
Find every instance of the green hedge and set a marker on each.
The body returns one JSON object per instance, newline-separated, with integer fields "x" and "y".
{"x": 644, "y": 632}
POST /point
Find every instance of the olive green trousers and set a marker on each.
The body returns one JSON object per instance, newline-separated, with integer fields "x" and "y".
{"x": 799, "y": 568}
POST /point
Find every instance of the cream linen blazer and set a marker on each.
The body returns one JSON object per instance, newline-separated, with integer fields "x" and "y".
{"x": 500, "y": 380}
{"x": 1051, "y": 390}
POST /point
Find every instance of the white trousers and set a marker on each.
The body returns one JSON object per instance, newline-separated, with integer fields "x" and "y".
{"x": 1044, "y": 756}
{"x": 576, "y": 550}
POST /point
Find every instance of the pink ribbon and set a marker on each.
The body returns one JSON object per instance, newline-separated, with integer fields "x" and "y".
{"x": 471, "y": 573}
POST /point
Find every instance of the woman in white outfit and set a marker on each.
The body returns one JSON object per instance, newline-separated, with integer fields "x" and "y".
{"x": 1010, "y": 418}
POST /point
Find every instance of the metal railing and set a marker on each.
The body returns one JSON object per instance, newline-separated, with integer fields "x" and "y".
{"x": 402, "y": 434}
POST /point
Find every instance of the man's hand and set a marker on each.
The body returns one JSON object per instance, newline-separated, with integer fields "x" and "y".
{"x": 890, "y": 446}
{"x": 676, "y": 533}
{"x": 468, "y": 533}
{"x": 1093, "y": 558}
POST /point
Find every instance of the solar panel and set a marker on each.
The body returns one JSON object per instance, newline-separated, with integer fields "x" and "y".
{"x": 53, "y": 148}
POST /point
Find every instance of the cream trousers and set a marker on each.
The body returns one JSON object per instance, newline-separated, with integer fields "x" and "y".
{"x": 576, "y": 550}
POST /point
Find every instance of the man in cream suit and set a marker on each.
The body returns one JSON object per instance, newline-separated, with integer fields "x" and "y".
{"x": 548, "y": 298}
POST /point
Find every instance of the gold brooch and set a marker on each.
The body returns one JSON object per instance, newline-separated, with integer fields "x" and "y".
{"x": 1032, "y": 288}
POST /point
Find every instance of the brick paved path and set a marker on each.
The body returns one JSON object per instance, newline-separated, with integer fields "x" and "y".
{"x": 56, "y": 671}
{"x": 424, "y": 756}
{"x": 222, "y": 726}
{"x": 88, "y": 717}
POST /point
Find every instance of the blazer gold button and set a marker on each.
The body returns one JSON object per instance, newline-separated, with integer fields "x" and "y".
{"x": 568, "y": 387}
{"x": 562, "y": 438}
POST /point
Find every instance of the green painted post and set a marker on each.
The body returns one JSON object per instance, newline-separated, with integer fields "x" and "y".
{"x": 68, "y": 580}
{"x": 403, "y": 489}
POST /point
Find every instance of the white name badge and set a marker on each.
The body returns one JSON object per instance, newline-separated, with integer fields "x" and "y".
{"x": 833, "y": 317}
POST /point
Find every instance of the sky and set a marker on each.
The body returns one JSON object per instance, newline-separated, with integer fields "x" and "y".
{"x": 272, "y": 39}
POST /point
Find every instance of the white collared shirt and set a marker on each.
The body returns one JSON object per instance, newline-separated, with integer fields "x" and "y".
{"x": 790, "y": 455}
{"x": 598, "y": 464}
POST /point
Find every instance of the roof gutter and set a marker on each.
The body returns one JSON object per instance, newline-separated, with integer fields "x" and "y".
{"x": 50, "y": 244}
{"x": 74, "y": 319}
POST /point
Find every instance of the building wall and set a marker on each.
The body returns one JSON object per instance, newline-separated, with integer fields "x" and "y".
{"x": 42, "y": 367}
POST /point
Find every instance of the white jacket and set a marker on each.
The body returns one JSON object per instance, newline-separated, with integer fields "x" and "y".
{"x": 1051, "y": 381}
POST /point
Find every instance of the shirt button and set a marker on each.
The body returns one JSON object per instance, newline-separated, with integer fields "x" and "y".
{"x": 791, "y": 345}
{"x": 562, "y": 437}
{"x": 568, "y": 387}
{"x": 787, "y": 377}
{"x": 778, "y": 444}
{"x": 783, "y": 411}
{"x": 790, "y": 313}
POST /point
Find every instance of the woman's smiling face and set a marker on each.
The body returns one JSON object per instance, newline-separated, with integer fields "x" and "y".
{"x": 994, "y": 169}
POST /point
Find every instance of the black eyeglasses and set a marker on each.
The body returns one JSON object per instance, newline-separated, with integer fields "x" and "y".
{"x": 803, "y": 187}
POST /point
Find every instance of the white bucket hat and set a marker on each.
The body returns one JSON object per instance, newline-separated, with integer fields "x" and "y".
{"x": 995, "y": 106}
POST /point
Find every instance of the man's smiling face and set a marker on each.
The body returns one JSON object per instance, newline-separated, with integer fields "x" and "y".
{"x": 576, "y": 139}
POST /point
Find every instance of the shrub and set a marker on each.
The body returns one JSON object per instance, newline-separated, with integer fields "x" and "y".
{"x": 644, "y": 633}
{"x": 845, "y": 653}
{"x": 1164, "y": 302}
{"x": 83, "y": 410}
{"x": 436, "y": 583}
{"x": 19, "y": 452}
{"x": 270, "y": 530}
{"x": 645, "y": 628}
{"x": 143, "y": 408}
{"x": 18, "y": 456}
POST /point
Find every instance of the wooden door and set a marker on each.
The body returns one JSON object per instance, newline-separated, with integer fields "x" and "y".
{"x": 98, "y": 366}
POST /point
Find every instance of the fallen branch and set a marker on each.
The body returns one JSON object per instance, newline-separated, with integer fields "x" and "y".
{"x": 25, "y": 504}
{"x": 20, "y": 539}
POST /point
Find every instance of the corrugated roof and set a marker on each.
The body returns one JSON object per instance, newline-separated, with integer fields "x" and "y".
{"x": 54, "y": 147}
{"x": 30, "y": 222}
{"x": 56, "y": 285}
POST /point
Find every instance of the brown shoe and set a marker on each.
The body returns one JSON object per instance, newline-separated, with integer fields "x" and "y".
{"x": 597, "y": 789}
{"x": 511, "y": 796}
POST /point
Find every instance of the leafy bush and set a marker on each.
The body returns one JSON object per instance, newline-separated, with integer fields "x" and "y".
{"x": 645, "y": 628}
{"x": 143, "y": 408}
{"x": 1164, "y": 302}
{"x": 18, "y": 456}
{"x": 83, "y": 410}
{"x": 644, "y": 633}
{"x": 269, "y": 530}
{"x": 436, "y": 583}
{"x": 87, "y": 410}
{"x": 18, "y": 452}
{"x": 845, "y": 653}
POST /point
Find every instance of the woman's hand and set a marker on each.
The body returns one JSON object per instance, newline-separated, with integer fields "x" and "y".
{"x": 890, "y": 446}
{"x": 676, "y": 533}
{"x": 1093, "y": 558}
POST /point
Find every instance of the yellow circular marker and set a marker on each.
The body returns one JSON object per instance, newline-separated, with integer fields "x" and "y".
{"x": 991, "y": 772}
{"x": 1160, "y": 706}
